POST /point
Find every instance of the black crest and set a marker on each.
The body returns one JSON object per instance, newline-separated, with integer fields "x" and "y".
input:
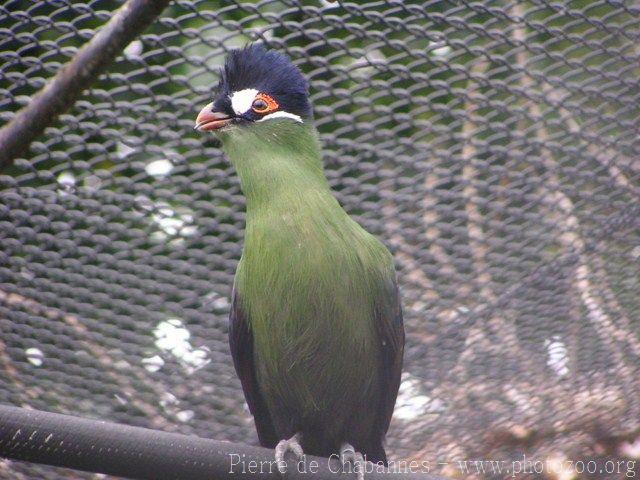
{"x": 267, "y": 71}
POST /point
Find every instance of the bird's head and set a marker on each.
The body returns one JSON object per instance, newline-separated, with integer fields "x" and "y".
{"x": 256, "y": 85}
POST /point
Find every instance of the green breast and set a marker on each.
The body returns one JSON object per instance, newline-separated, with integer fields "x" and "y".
{"x": 308, "y": 279}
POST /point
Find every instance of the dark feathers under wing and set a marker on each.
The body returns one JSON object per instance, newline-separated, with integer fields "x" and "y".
{"x": 390, "y": 330}
{"x": 241, "y": 344}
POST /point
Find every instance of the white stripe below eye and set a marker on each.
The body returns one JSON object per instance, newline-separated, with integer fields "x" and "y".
{"x": 242, "y": 99}
{"x": 281, "y": 115}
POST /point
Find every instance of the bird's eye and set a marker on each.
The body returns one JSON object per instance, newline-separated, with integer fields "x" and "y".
{"x": 259, "y": 105}
{"x": 263, "y": 103}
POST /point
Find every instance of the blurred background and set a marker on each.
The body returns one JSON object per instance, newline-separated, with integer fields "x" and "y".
{"x": 493, "y": 146}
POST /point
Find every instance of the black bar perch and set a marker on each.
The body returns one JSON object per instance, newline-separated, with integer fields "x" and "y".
{"x": 140, "y": 453}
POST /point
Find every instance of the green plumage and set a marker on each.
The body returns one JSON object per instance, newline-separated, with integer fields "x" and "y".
{"x": 311, "y": 284}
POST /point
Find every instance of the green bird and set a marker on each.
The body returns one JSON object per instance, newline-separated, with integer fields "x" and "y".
{"x": 316, "y": 330}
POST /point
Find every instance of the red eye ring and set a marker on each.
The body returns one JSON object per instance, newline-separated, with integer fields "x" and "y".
{"x": 263, "y": 103}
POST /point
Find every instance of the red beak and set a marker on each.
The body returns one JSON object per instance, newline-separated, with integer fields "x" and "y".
{"x": 208, "y": 120}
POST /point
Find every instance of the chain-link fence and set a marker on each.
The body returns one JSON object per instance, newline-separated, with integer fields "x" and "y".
{"x": 494, "y": 146}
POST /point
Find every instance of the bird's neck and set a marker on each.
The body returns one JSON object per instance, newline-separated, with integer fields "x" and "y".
{"x": 280, "y": 167}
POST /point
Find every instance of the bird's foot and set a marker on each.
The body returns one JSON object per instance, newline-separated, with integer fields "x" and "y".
{"x": 284, "y": 446}
{"x": 348, "y": 455}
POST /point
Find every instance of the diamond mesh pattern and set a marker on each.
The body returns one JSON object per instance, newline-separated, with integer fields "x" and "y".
{"x": 492, "y": 145}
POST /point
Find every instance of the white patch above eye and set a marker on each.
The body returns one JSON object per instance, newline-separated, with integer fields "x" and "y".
{"x": 281, "y": 115}
{"x": 242, "y": 99}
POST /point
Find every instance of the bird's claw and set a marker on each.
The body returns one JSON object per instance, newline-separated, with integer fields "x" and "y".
{"x": 284, "y": 446}
{"x": 348, "y": 454}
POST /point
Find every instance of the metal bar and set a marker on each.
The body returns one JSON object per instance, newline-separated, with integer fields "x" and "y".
{"x": 140, "y": 453}
{"x": 77, "y": 75}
